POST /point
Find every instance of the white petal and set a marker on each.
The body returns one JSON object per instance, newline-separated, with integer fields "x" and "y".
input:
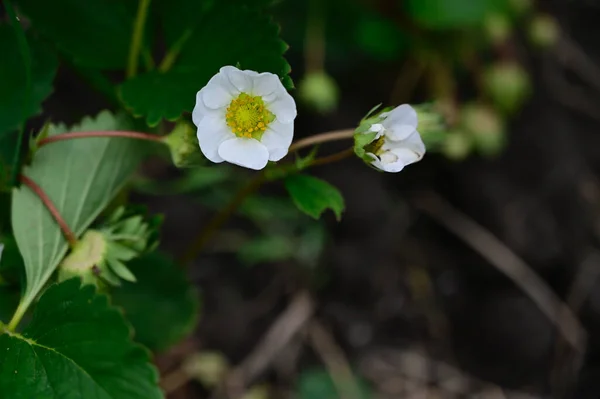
{"x": 266, "y": 84}
{"x": 403, "y": 152}
{"x": 241, "y": 80}
{"x": 200, "y": 110}
{"x": 211, "y": 133}
{"x": 415, "y": 143}
{"x": 283, "y": 106}
{"x": 401, "y": 122}
{"x": 218, "y": 92}
{"x": 249, "y": 153}
{"x": 277, "y": 138}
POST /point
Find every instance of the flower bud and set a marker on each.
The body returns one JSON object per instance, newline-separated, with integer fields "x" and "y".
{"x": 184, "y": 147}
{"x": 543, "y": 31}
{"x": 83, "y": 261}
{"x": 485, "y": 128}
{"x": 319, "y": 91}
{"x": 508, "y": 85}
{"x": 457, "y": 145}
{"x": 498, "y": 28}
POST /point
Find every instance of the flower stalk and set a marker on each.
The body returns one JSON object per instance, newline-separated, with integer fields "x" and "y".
{"x": 67, "y": 232}
{"x": 80, "y": 135}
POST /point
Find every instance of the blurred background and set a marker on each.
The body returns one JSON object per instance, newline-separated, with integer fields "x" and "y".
{"x": 470, "y": 274}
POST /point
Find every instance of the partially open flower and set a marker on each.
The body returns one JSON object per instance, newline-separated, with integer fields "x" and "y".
{"x": 390, "y": 140}
{"x": 244, "y": 117}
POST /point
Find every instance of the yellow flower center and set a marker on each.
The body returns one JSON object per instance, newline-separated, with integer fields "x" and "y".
{"x": 248, "y": 117}
{"x": 375, "y": 146}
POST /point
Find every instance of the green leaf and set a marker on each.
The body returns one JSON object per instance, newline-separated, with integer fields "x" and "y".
{"x": 11, "y": 263}
{"x": 316, "y": 383}
{"x": 76, "y": 346}
{"x": 313, "y": 196}
{"x": 226, "y": 35}
{"x": 92, "y": 33}
{"x": 271, "y": 248}
{"x": 16, "y": 103}
{"x": 447, "y": 14}
{"x": 9, "y": 299}
{"x": 81, "y": 177}
{"x": 162, "y": 306}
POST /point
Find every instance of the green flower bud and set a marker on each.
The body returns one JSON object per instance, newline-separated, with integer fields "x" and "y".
{"x": 319, "y": 91}
{"x": 83, "y": 261}
{"x": 99, "y": 257}
{"x": 207, "y": 367}
{"x": 184, "y": 147}
{"x": 521, "y": 7}
{"x": 498, "y": 27}
{"x": 544, "y": 31}
{"x": 508, "y": 85}
{"x": 485, "y": 128}
{"x": 457, "y": 145}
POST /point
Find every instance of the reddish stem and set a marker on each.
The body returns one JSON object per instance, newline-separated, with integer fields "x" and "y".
{"x": 69, "y": 235}
{"x": 80, "y": 135}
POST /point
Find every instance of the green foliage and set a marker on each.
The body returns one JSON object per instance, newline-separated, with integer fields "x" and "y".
{"x": 316, "y": 383}
{"x": 15, "y": 103}
{"x": 9, "y": 299}
{"x": 80, "y": 177}
{"x": 27, "y": 67}
{"x": 162, "y": 306}
{"x": 76, "y": 346}
{"x": 445, "y": 14}
{"x": 313, "y": 196}
{"x": 93, "y": 33}
{"x": 220, "y": 35}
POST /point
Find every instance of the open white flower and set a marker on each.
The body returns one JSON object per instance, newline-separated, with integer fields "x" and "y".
{"x": 244, "y": 117}
{"x": 397, "y": 142}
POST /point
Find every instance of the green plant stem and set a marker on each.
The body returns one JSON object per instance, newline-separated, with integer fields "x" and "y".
{"x": 322, "y": 138}
{"x": 64, "y": 227}
{"x": 174, "y": 51}
{"x": 16, "y": 319}
{"x": 82, "y": 135}
{"x": 221, "y": 217}
{"x": 225, "y": 213}
{"x": 338, "y": 156}
{"x": 136, "y": 38}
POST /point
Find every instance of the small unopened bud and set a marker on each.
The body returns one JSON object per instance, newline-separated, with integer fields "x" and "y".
{"x": 207, "y": 367}
{"x": 521, "y": 7}
{"x": 319, "y": 91}
{"x": 543, "y": 31}
{"x": 508, "y": 85}
{"x": 184, "y": 147}
{"x": 485, "y": 127}
{"x": 498, "y": 28}
{"x": 84, "y": 258}
{"x": 457, "y": 145}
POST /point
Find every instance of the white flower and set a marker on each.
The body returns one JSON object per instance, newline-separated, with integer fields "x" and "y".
{"x": 244, "y": 117}
{"x": 397, "y": 142}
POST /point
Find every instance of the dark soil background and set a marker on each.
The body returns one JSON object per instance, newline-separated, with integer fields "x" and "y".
{"x": 400, "y": 284}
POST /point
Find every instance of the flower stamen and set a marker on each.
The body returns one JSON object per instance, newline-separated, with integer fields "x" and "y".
{"x": 248, "y": 117}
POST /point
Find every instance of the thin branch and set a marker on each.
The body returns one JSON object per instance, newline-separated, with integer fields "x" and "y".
{"x": 137, "y": 37}
{"x": 67, "y": 232}
{"x": 338, "y": 156}
{"x": 322, "y": 138}
{"x": 506, "y": 261}
{"x": 335, "y": 361}
{"x": 281, "y": 332}
{"x": 221, "y": 217}
{"x": 82, "y": 135}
